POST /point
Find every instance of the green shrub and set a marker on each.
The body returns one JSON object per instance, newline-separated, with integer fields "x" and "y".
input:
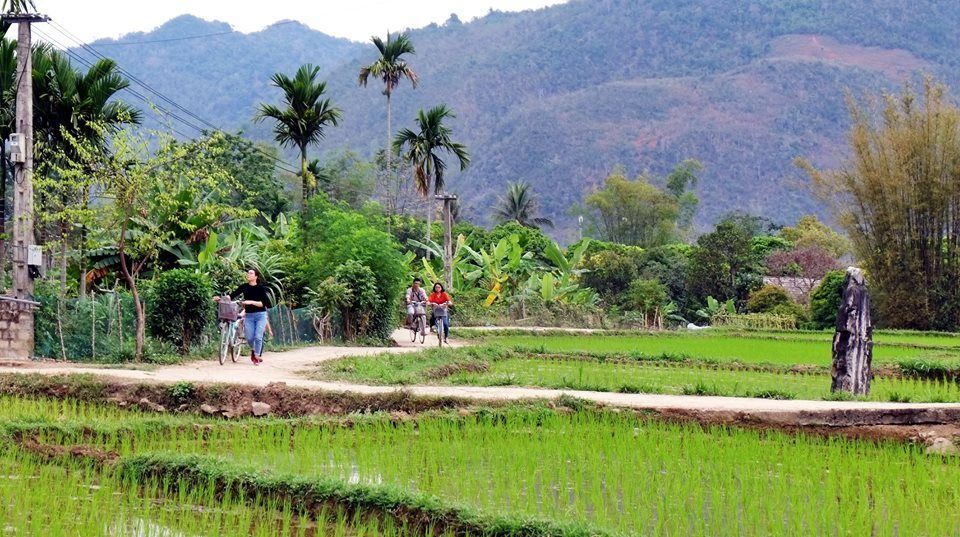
{"x": 825, "y": 300}
{"x": 768, "y": 297}
{"x": 363, "y": 302}
{"x": 791, "y": 309}
{"x": 531, "y": 239}
{"x": 335, "y": 236}
{"x": 180, "y": 308}
{"x": 608, "y": 273}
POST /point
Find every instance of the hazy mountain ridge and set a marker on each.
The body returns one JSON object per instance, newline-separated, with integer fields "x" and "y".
{"x": 558, "y": 96}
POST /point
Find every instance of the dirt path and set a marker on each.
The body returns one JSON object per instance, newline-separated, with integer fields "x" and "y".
{"x": 286, "y": 366}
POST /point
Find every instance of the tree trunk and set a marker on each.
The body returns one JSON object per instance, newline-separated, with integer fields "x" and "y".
{"x": 137, "y": 305}
{"x": 853, "y": 340}
{"x": 63, "y": 257}
{"x": 430, "y": 202}
{"x": 388, "y": 151}
{"x": 304, "y": 193}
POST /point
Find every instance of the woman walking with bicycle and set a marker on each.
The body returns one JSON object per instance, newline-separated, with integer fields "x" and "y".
{"x": 256, "y": 302}
{"x": 440, "y": 301}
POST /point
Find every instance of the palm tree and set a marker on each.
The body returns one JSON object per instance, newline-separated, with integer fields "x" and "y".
{"x": 520, "y": 206}
{"x": 391, "y": 68}
{"x": 422, "y": 151}
{"x": 303, "y": 119}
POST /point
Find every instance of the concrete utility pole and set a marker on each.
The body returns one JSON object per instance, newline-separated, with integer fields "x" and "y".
{"x": 447, "y": 238}
{"x": 16, "y": 321}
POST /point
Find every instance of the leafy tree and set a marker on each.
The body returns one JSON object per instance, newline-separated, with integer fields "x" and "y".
{"x": 809, "y": 264}
{"x": 633, "y": 212}
{"x": 333, "y": 235}
{"x": 520, "y": 205}
{"x": 149, "y": 191}
{"x": 253, "y": 166}
{"x": 826, "y": 298}
{"x": 304, "y": 118}
{"x": 680, "y": 181}
{"x": 723, "y": 263}
{"x": 422, "y": 151}
{"x": 608, "y": 273}
{"x": 346, "y": 177}
{"x": 531, "y": 239}
{"x": 764, "y": 245}
{"x": 83, "y": 105}
{"x": 898, "y": 197}
{"x": 668, "y": 264}
{"x": 811, "y": 232}
{"x": 180, "y": 307}
{"x": 391, "y": 68}
{"x": 647, "y": 297}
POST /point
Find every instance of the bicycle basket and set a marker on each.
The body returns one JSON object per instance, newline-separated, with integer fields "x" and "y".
{"x": 227, "y": 311}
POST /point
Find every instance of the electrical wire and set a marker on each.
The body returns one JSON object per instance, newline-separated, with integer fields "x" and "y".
{"x": 278, "y": 162}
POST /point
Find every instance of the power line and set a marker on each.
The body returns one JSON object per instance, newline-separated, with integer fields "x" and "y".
{"x": 278, "y": 162}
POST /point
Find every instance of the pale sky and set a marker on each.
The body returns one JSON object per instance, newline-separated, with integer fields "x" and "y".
{"x": 353, "y": 19}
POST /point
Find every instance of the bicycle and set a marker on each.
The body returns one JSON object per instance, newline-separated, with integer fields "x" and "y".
{"x": 231, "y": 330}
{"x": 438, "y": 322}
{"x": 419, "y": 324}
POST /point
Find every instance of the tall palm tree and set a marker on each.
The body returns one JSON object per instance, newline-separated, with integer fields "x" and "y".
{"x": 520, "y": 206}
{"x": 391, "y": 68}
{"x": 422, "y": 151}
{"x": 303, "y": 120}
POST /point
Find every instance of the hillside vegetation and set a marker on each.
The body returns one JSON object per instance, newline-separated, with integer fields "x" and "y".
{"x": 558, "y": 96}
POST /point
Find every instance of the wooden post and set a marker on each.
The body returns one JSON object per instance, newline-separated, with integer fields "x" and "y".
{"x": 853, "y": 339}
{"x": 447, "y": 239}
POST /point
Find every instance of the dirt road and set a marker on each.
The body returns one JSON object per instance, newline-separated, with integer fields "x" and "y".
{"x": 286, "y": 367}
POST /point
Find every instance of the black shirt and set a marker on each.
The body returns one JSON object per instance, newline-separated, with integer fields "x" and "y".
{"x": 252, "y": 292}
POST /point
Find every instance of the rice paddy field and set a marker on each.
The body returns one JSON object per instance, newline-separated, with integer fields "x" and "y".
{"x": 908, "y": 366}
{"x": 781, "y": 348}
{"x": 577, "y": 471}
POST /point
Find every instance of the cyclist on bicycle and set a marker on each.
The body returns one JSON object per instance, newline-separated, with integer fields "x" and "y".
{"x": 440, "y": 301}
{"x": 256, "y": 302}
{"x": 416, "y": 302}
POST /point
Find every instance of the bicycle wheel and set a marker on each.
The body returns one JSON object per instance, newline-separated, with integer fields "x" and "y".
{"x": 224, "y": 341}
{"x": 413, "y": 329}
{"x": 439, "y": 329}
{"x": 238, "y": 339}
{"x": 422, "y": 328}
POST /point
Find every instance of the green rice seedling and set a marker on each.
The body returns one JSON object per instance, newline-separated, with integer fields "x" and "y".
{"x": 615, "y": 471}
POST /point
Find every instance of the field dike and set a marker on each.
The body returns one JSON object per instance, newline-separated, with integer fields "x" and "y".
{"x": 925, "y": 426}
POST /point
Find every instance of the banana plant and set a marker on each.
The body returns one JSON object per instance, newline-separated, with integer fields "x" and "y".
{"x": 465, "y": 274}
{"x": 715, "y": 307}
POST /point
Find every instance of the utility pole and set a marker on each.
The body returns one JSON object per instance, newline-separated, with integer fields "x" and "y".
{"x": 20, "y": 337}
{"x": 447, "y": 238}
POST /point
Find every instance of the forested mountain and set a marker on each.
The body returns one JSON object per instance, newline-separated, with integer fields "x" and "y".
{"x": 557, "y": 97}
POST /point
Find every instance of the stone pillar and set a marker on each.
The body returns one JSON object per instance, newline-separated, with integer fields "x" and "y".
{"x": 853, "y": 339}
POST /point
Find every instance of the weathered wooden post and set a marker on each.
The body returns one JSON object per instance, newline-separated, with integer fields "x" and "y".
{"x": 853, "y": 340}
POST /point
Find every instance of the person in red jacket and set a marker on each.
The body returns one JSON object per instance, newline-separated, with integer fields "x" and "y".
{"x": 440, "y": 301}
